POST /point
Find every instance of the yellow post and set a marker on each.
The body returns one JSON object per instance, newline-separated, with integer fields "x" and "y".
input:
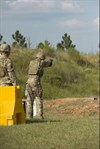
{"x": 11, "y": 108}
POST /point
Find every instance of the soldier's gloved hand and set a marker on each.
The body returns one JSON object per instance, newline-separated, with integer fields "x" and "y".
{"x": 14, "y": 84}
{"x": 26, "y": 93}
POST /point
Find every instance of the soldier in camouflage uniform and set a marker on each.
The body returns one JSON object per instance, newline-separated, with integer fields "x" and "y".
{"x": 7, "y": 74}
{"x": 33, "y": 85}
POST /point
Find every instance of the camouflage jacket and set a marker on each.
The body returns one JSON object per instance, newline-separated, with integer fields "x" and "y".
{"x": 7, "y": 74}
{"x": 37, "y": 66}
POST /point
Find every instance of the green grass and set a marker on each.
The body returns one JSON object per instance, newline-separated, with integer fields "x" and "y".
{"x": 68, "y": 133}
{"x": 68, "y": 124}
{"x": 66, "y": 78}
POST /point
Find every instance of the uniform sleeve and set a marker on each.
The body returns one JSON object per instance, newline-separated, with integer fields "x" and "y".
{"x": 11, "y": 72}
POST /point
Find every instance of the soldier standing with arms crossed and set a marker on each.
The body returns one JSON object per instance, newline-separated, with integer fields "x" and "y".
{"x": 7, "y": 73}
{"x": 33, "y": 85}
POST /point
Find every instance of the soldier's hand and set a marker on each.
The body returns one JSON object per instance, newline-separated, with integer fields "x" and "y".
{"x": 14, "y": 84}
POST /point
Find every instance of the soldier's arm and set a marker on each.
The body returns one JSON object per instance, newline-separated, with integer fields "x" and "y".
{"x": 11, "y": 72}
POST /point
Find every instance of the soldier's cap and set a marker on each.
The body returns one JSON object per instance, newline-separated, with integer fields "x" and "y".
{"x": 5, "y": 48}
{"x": 40, "y": 55}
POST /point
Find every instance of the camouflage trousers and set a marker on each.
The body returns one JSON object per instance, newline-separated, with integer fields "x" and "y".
{"x": 32, "y": 98}
{"x": 30, "y": 111}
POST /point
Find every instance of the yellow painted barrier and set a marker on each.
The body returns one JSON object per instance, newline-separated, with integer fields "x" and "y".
{"x": 11, "y": 108}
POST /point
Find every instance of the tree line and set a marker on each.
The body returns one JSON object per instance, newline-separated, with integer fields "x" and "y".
{"x": 20, "y": 41}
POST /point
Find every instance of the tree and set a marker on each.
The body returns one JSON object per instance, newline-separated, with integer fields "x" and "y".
{"x": 44, "y": 45}
{"x": 40, "y": 45}
{"x": 66, "y": 43}
{"x": 20, "y": 40}
{"x": 1, "y": 37}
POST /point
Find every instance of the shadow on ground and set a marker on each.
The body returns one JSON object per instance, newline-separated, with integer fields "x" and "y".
{"x": 41, "y": 121}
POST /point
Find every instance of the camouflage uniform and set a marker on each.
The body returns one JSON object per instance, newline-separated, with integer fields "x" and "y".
{"x": 33, "y": 86}
{"x": 7, "y": 74}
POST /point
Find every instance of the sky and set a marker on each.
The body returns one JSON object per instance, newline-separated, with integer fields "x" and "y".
{"x": 49, "y": 20}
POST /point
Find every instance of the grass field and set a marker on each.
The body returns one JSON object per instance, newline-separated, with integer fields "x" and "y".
{"x": 68, "y": 124}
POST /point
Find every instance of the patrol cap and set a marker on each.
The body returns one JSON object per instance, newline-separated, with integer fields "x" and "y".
{"x": 40, "y": 55}
{"x": 5, "y": 48}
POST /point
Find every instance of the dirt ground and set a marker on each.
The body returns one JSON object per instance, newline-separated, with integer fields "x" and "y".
{"x": 73, "y": 106}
